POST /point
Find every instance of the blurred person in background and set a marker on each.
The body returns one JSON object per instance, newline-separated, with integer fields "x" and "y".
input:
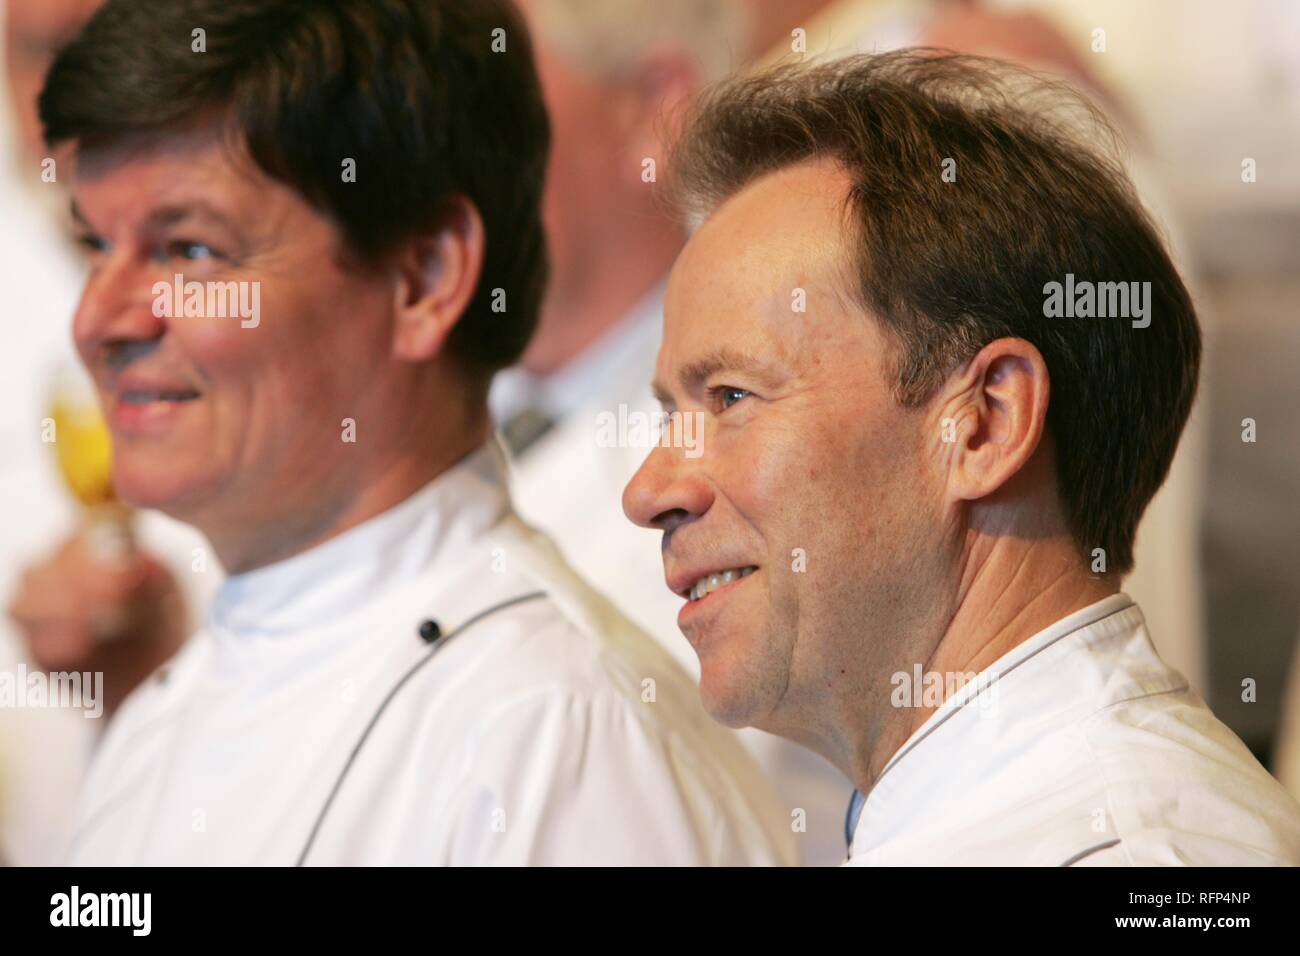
{"x": 73, "y": 607}
{"x": 614, "y": 75}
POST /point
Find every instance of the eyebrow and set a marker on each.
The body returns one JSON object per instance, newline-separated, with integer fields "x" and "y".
{"x": 724, "y": 359}
{"x": 170, "y": 215}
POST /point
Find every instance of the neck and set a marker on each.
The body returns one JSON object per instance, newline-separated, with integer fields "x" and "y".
{"x": 390, "y": 474}
{"x": 1010, "y": 588}
{"x": 615, "y": 276}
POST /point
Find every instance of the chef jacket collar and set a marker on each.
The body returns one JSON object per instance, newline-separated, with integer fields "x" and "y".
{"x": 335, "y": 579}
{"x": 926, "y": 760}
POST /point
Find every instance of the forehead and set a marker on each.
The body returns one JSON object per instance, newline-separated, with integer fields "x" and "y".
{"x": 792, "y": 217}
{"x": 178, "y": 158}
{"x": 127, "y": 181}
{"x": 767, "y": 269}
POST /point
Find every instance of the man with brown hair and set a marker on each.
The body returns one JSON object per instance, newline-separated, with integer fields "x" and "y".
{"x": 396, "y": 669}
{"x": 923, "y": 469}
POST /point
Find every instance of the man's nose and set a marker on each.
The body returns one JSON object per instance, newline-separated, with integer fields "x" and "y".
{"x": 668, "y": 490}
{"x": 116, "y": 312}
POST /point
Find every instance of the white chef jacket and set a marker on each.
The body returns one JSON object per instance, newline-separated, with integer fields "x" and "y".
{"x": 550, "y": 732}
{"x": 1078, "y": 747}
{"x": 572, "y": 488}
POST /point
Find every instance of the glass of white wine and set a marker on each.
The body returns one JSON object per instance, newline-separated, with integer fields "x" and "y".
{"x": 84, "y": 451}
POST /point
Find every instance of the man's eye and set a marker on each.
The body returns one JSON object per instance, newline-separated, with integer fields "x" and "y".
{"x": 193, "y": 251}
{"x": 92, "y": 243}
{"x": 728, "y": 395}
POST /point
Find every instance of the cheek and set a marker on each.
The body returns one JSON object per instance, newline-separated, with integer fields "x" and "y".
{"x": 763, "y": 472}
{"x": 269, "y": 379}
{"x": 559, "y": 219}
{"x": 578, "y": 187}
{"x": 790, "y": 480}
{"x": 829, "y": 495}
{"x": 314, "y": 328}
{"x": 218, "y": 349}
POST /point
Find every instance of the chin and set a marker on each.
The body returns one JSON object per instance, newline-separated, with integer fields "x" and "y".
{"x": 733, "y": 697}
{"x": 169, "y": 488}
{"x": 729, "y": 713}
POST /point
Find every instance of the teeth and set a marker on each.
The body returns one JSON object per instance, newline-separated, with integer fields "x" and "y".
{"x": 711, "y": 582}
{"x": 144, "y": 398}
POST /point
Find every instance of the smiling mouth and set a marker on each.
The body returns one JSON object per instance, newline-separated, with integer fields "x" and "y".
{"x": 148, "y": 398}
{"x": 711, "y": 582}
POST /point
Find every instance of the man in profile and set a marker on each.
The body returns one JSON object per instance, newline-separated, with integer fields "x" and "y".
{"x": 904, "y": 543}
{"x": 396, "y": 670}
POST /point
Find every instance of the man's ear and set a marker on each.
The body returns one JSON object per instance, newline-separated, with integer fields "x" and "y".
{"x": 651, "y": 102}
{"x": 436, "y": 277}
{"x": 994, "y": 413}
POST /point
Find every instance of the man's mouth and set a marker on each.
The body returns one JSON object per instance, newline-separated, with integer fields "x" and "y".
{"x": 717, "y": 579}
{"x": 145, "y": 407}
{"x": 148, "y": 397}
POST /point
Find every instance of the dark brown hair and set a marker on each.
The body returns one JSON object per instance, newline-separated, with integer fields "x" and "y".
{"x": 412, "y": 90}
{"x": 950, "y": 265}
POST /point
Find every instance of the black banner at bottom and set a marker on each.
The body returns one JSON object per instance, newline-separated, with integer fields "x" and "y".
{"x": 334, "y": 906}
